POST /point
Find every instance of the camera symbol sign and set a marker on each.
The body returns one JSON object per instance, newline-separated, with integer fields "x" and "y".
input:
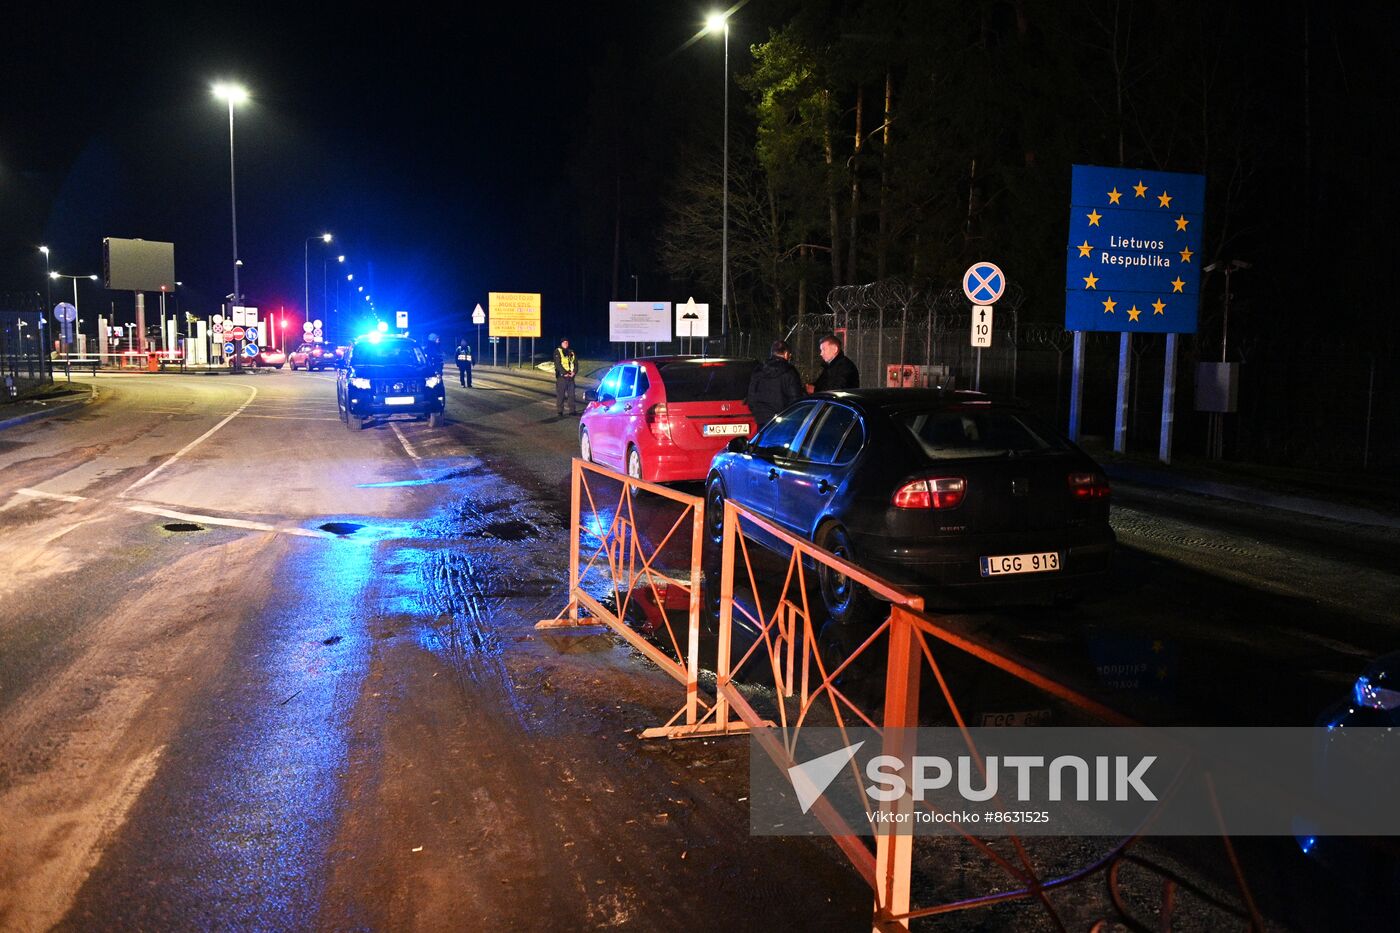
{"x": 983, "y": 283}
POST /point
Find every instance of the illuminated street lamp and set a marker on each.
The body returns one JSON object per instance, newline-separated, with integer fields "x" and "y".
{"x": 232, "y": 94}
{"x": 60, "y": 275}
{"x": 305, "y": 266}
{"x": 326, "y": 288}
{"x": 48, "y": 277}
{"x": 714, "y": 23}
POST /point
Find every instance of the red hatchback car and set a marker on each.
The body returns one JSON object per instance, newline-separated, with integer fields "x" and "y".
{"x": 662, "y": 419}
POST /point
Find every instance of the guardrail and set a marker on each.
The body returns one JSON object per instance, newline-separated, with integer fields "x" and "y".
{"x": 807, "y": 683}
{"x": 607, "y": 551}
{"x": 630, "y": 571}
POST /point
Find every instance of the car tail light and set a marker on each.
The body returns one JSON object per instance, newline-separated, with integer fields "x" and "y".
{"x": 1088, "y": 486}
{"x": 943, "y": 493}
{"x": 657, "y": 420}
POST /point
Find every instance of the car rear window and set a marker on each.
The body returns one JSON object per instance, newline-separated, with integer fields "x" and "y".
{"x": 707, "y": 380}
{"x": 961, "y": 434}
{"x": 389, "y": 354}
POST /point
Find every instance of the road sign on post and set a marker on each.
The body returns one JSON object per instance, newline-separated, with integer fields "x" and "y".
{"x": 478, "y": 316}
{"x": 981, "y": 326}
{"x": 984, "y": 283}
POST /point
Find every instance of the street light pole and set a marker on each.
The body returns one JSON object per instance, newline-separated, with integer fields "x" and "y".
{"x": 48, "y": 278}
{"x": 233, "y": 94}
{"x": 306, "y": 267}
{"x": 714, "y": 22}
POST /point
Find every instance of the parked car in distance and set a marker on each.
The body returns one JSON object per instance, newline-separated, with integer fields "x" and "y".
{"x": 272, "y": 357}
{"x": 952, "y": 494}
{"x": 314, "y": 356}
{"x": 662, "y": 419}
{"x": 385, "y": 376}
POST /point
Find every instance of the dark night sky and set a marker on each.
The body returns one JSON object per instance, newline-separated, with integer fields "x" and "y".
{"x": 432, "y": 145}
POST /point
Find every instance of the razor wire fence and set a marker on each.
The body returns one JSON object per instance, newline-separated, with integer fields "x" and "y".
{"x": 24, "y": 360}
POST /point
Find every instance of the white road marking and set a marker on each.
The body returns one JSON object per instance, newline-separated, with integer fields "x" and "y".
{"x": 41, "y": 494}
{"x": 171, "y": 513}
{"x": 227, "y": 522}
{"x": 404, "y": 441}
{"x": 192, "y": 444}
{"x": 327, "y": 417}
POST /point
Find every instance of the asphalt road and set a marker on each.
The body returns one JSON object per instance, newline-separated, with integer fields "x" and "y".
{"x": 256, "y": 670}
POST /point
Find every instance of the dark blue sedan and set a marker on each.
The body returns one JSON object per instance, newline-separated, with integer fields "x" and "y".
{"x": 956, "y": 495}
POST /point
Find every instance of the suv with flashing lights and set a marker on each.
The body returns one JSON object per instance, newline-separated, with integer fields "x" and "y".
{"x": 385, "y": 376}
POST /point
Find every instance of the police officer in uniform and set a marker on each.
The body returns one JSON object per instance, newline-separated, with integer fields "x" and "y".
{"x": 464, "y": 363}
{"x": 565, "y": 369}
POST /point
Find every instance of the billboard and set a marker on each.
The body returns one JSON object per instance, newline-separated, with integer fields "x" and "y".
{"x": 639, "y": 321}
{"x": 138, "y": 265}
{"x": 514, "y": 314}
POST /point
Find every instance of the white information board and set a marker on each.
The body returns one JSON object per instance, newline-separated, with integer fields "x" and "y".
{"x": 639, "y": 321}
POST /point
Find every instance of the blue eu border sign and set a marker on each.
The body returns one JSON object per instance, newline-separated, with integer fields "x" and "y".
{"x": 1133, "y": 264}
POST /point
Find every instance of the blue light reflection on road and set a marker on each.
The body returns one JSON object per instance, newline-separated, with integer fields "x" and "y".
{"x": 237, "y": 823}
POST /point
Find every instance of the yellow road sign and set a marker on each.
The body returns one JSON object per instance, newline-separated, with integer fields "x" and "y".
{"x": 514, "y": 314}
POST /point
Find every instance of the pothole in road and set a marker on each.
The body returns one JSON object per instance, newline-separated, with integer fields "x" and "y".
{"x": 510, "y": 529}
{"x": 341, "y": 528}
{"x": 182, "y": 526}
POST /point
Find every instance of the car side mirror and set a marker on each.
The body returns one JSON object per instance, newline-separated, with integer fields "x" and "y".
{"x": 590, "y": 395}
{"x": 737, "y": 445}
{"x": 607, "y": 400}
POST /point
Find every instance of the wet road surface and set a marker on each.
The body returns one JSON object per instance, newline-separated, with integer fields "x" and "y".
{"x": 257, "y": 670}
{"x": 265, "y": 723}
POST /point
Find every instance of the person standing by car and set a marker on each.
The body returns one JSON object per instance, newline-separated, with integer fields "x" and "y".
{"x": 464, "y": 363}
{"x": 434, "y": 350}
{"x": 773, "y": 386}
{"x": 565, "y": 369}
{"x": 838, "y": 372}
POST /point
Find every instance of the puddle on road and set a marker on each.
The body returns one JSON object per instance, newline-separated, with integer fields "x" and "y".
{"x": 341, "y": 528}
{"x": 507, "y": 530}
{"x": 182, "y": 526}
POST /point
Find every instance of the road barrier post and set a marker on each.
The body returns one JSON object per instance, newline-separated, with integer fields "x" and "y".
{"x": 634, "y": 577}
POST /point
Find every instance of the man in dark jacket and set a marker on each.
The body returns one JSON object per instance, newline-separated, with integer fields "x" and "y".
{"x": 773, "y": 386}
{"x": 565, "y": 369}
{"x": 838, "y": 372}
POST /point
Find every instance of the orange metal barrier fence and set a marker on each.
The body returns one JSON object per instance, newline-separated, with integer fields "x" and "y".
{"x": 809, "y": 692}
{"x": 619, "y": 562}
{"x": 608, "y": 554}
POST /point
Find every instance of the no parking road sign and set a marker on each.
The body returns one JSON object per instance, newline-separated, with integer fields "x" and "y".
{"x": 983, "y": 283}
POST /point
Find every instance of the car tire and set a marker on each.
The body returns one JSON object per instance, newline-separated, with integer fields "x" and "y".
{"x": 846, "y": 601}
{"x": 585, "y": 446}
{"x": 279, "y": 365}
{"x": 435, "y": 419}
{"x": 714, "y": 510}
{"x": 354, "y": 422}
{"x": 634, "y": 465}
